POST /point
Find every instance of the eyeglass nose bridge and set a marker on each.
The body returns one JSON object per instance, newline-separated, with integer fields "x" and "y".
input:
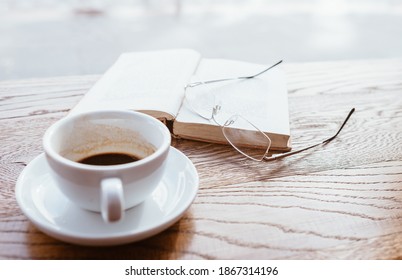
{"x": 216, "y": 109}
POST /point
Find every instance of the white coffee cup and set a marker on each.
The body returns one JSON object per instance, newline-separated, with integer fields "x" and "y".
{"x": 109, "y": 189}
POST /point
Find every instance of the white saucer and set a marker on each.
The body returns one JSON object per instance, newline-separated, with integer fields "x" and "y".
{"x": 51, "y": 212}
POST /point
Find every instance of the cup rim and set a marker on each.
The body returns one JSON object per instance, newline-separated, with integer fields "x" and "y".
{"x": 49, "y": 151}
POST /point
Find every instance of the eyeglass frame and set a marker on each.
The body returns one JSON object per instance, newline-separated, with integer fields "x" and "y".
{"x": 216, "y": 108}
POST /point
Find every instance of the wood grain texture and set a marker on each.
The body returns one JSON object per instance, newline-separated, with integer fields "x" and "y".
{"x": 342, "y": 200}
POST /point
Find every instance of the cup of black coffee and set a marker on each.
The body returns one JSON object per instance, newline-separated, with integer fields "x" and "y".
{"x": 107, "y": 161}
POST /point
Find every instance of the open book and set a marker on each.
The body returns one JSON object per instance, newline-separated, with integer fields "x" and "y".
{"x": 154, "y": 83}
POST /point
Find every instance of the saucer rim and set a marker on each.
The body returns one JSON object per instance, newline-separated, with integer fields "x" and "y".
{"x": 111, "y": 239}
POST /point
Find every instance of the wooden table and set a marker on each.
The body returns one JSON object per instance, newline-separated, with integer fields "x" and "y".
{"x": 338, "y": 201}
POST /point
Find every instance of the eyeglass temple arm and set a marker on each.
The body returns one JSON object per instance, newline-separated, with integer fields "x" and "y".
{"x": 228, "y": 79}
{"x": 312, "y": 146}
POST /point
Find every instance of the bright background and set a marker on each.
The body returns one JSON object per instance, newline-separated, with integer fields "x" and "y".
{"x": 42, "y": 38}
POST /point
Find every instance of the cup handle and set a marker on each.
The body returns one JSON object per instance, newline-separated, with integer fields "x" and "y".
{"x": 112, "y": 200}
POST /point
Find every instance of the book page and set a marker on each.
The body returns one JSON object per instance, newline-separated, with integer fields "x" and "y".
{"x": 152, "y": 82}
{"x": 263, "y": 100}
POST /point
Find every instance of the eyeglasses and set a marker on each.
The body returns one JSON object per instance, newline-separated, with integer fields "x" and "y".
{"x": 237, "y": 130}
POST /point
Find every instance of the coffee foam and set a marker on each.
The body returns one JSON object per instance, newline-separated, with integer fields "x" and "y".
{"x": 87, "y": 139}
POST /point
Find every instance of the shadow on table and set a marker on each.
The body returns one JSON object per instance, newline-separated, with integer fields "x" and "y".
{"x": 165, "y": 245}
